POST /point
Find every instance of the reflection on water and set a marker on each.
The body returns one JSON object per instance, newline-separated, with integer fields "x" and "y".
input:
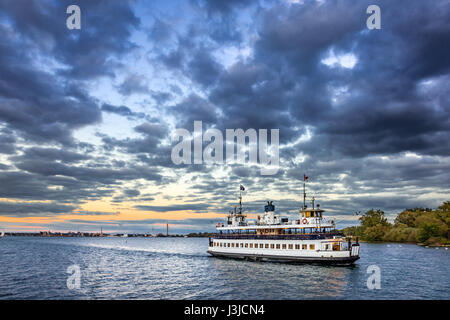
{"x": 337, "y": 281}
{"x": 180, "y": 268}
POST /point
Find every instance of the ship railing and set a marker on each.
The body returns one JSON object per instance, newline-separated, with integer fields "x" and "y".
{"x": 311, "y": 236}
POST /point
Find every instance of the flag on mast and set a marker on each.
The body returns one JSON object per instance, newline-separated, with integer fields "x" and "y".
{"x": 305, "y": 177}
{"x": 242, "y": 188}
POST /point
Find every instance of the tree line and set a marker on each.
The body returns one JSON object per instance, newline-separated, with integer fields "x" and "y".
{"x": 420, "y": 225}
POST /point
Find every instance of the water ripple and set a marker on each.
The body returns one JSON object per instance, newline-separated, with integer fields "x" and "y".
{"x": 180, "y": 268}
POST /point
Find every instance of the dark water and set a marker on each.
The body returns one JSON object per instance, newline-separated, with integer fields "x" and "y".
{"x": 180, "y": 268}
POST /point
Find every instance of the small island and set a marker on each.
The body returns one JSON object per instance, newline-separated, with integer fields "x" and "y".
{"x": 422, "y": 226}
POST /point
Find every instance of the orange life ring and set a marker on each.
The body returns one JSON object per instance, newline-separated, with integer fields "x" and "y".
{"x": 304, "y": 221}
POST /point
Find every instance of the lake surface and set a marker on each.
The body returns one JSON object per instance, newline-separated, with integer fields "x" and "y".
{"x": 180, "y": 268}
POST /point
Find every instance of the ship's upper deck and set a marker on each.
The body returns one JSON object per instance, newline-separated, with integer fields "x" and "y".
{"x": 308, "y": 218}
{"x": 269, "y": 222}
{"x": 293, "y": 225}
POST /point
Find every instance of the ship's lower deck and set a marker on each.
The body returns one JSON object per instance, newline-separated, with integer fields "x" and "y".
{"x": 283, "y": 258}
{"x": 322, "y": 251}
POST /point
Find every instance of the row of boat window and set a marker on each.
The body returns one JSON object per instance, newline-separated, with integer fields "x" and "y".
{"x": 264, "y": 245}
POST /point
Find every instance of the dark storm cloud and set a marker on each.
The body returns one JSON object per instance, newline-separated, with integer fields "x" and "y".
{"x": 160, "y": 31}
{"x": 382, "y": 112}
{"x": 194, "y": 108}
{"x": 33, "y": 209}
{"x": 222, "y": 6}
{"x": 44, "y": 98}
{"x": 286, "y": 85}
{"x": 89, "y": 52}
{"x": 224, "y": 32}
{"x": 156, "y": 130}
{"x": 205, "y": 70}
{"x": 98, "y": 175}
{"x": 147, "y": 149}
{"x": 133, "y": 83}
{"x": 201, "y": 207}
{"x": 23, "y": 185}
{"x": 251, "y": 95}
{"x": 297, "y": 34}
{"x": 48, "y": 112}
{"x": 7, "y": 142}
{"x": 394, "y": 100}
{"x": 128, "y": 195}
{"x": 122, "y": 111}
{"x": 131, "y": 192}
{"x": 162, "y": 97}
{"x": 173, "y": 59}
{"x": 191, "y": 54}
{"x": 68, "y": 176}
{"x": 51, "y": 154}
{"x": 97, "y": 213}
{"x": 44, "y": 105}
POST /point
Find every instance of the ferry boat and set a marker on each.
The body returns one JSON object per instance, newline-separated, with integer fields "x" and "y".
{"x": 309, "y": 238}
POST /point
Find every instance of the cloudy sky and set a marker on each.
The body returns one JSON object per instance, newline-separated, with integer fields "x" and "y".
{"x": 86, "y": 116}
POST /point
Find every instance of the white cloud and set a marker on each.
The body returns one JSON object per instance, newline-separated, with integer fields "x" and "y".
{"x": 347, "y": 60}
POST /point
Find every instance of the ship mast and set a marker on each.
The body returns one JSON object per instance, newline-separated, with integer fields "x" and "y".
{"x": 305, "y": 178}
{"x": 304, "y": 195}
{"x": 241, "y": 187}
{"x": 240, "y": 201}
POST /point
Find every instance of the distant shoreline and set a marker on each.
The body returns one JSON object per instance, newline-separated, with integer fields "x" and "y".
{"x": 71, "y": 234}
{"x": 90, "y": 235}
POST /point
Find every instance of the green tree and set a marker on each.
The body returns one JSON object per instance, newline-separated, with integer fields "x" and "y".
{"x": 445, "y": 206}
{"x": 356, "y": 231}
{"x": 411, "y": 225}
{"x": 375, "y": 233}
{"x": 373, "y": 218}
{"x": 408, "y": 216}
{"x": 401, "y": 233}
{"x": 427, "y": 231}
{"x": 374, "y": 226}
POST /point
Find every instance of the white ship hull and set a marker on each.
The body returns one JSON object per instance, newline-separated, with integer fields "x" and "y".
{"x": 282, "y": 258}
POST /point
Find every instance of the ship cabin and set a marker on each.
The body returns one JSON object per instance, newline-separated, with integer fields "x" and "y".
{"x": 311, "y": 213}
{"x": 310, "y": 225}
{"x": 314, "y": 212}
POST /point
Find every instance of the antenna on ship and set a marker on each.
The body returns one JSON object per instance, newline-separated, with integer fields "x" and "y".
{"x": 241, "y": 188}
{"x": 240, "y": 203}
{"x": 305, "y": 178}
